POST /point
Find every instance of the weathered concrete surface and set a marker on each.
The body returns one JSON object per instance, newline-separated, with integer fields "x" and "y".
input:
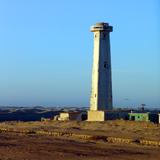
{"x": 96, "y": 115}
{"x": 101, "y": 92}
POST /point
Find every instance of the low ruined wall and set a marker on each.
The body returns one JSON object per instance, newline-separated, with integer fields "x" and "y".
{"x": 150, "y": 142}
{"x": 119, "y": 140}
{"x": 86, "y": 137}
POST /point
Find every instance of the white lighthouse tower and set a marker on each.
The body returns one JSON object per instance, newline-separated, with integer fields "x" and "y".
{"x": 101, "y": 92}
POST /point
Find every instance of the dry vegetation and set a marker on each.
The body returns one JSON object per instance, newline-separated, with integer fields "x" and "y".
{"x": 117, "y": 128}
{"x": 71, "y": 140}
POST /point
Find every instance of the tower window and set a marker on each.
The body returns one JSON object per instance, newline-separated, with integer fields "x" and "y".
{"x": 105, "y": 64}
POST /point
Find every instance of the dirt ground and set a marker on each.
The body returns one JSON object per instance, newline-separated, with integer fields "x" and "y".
{"x": 42, "y": 147}
{"x": 116, "y": 128}
{"x": 33, "y": 146}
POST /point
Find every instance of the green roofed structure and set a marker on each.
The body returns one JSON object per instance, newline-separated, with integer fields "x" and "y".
{"x": 139, "y": 116}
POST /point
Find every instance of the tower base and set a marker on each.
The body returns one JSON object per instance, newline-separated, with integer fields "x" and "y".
{"x": 96, "y": 116}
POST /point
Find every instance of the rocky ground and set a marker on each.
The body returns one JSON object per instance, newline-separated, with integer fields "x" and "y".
{"x": 74, "y": 140}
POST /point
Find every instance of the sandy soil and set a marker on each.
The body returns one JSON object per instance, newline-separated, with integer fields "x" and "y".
{"x": 15, "y": 146}
{"x": 35, "y": 146}
{"x": 116, "y": 128}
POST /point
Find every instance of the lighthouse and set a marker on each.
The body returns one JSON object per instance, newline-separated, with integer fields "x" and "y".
{"x": 101, "y": 89}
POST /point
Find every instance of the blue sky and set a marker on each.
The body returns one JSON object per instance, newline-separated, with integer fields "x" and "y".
{"x": 46, "y": 51}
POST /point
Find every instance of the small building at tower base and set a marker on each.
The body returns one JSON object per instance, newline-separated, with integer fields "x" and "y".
{"x": 107, "y": 115}
{"x": 96, "y": 115}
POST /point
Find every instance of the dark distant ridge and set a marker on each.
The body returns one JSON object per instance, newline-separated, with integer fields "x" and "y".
{"x": 13, "y": 113}
{"x": 32, "y": 114}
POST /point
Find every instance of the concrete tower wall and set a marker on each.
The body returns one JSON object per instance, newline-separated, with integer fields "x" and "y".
{"x": 95, "y": 68}
{"x": 101, "y": 92}
{"x": 105, "y": 83}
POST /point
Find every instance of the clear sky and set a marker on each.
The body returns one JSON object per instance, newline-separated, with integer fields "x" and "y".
{"x": 46, "y": 51}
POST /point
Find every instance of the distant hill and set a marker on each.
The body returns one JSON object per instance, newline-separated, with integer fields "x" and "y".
{"x": 26, "y": 114}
